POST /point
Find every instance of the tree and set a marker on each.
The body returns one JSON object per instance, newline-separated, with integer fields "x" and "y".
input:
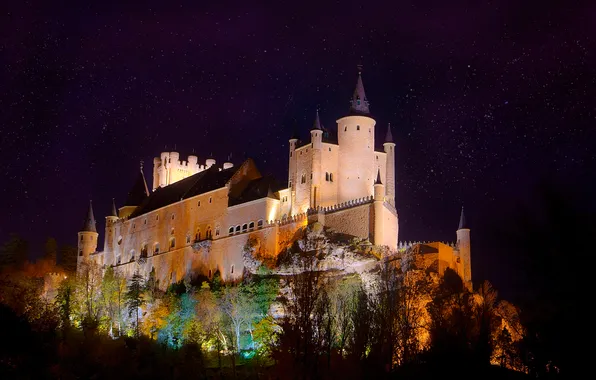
{"x": 134, "y": 298}
{"x": 113, "y": 287}
{"x": 88, "y": 290}
{"x": 238, "y": 305}
{"x": 64, "y": 301}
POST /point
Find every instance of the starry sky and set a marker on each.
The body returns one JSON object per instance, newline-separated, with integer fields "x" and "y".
{"x": 485, "y": 99}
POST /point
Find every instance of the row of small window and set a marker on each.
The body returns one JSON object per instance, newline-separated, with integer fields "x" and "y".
{"x": 173, "y": 216}
{"x": 328, "y": 178}
{"x": 311, "y": 145}
{"x": 357, "y": 128}
{"x": 245, "y": 227}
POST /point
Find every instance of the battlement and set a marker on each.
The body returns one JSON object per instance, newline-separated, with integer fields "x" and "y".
{"x": 168, "y": 168}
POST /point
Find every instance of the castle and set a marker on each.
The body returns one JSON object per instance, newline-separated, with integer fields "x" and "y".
{"x": 197, "y": 219}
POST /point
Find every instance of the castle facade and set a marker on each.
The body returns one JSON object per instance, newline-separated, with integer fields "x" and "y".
{"x": 197, "y": 219}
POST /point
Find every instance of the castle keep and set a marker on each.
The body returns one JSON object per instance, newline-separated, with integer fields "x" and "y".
{"x": 197, "y": 219}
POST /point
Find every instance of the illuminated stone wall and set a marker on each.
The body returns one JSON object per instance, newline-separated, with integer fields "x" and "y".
{"x": 357, "y": 221}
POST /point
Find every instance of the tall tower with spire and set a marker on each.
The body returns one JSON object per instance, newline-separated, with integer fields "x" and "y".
{"x": 87, "y": 242}
{"x": 463, "y": 246}
{"x": 389, "y": 147}
{"x": 111, "y": 219}
{"x": 356, "y": 139}
{"x": 316, "y": 139}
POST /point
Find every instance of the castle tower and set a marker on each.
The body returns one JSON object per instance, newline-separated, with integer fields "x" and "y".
{"x": 316, "y": 139}
{"x": 136, "y": 195}
{"x": 111, "y": 219}
{"x": 379, "y": 198}
{"x": 292, "y": 171}
{"x": 356, "y": 139}
{"x": 389, "y": 147}
{"x": 463, "y": 246}
{"x": 87, "y": 243}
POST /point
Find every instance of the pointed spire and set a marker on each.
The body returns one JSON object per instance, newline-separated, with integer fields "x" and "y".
{"x": 462, "y": 220}
{"x": 317, "y": 123}
{"x": 89, "y": 225}
{"x": 114, "y": 212}
{"x": 139, "y": 191}
{"x": 378, "y": 181}
{"x": 389, "y": 136}
{"x": 359, "y": 103}
{"x": 270, "y": 193}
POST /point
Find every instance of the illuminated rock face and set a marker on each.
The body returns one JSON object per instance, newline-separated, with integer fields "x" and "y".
{"x": 198, "y": 218}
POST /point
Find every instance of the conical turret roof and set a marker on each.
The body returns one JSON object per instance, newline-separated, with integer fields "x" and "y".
{"x": 89, "y": 225}
{"x": 389, "y": 136}
{"x": 317, "y": 123}
{"x": 359, "y": 103}
{"x": 378, "y": 180}
{"x": 462, "y": 220}
{"x": 114, "y": 211}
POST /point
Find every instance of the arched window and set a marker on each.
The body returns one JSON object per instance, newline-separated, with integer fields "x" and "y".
{"x": 145, "y": 221}
{"x": 330, "y": 177}
{"x": 156, "y": 248}
{"x": 260, "y": 223}
{"x": 173, "y": 216}
{"x": 357, "y": 127}
{"x": 199, "y": 204}
{"x": 172, "y": 231}
{"x": 187, "y": 238}
{"x": 217, "y": 231}
{"x": 156, "y": 217}
{"x": 81, "y": 252}
{"x": 303, "y": 178}
{"x": 326, "y": 176}
{"x": 237, "y": 228}
{"x": 345, "y": 128}
{"x": 208, "y": 234}
{"x": 144, "y": 250}
{"x": 210, "y": 199}
{"x": 232, "y": 269}
{"x": 231, "y": 230}
{"x": 244, "y": 227}
{"x": 251, "y": 225}
{"x": 119, "y": 240}
{"x": 198, "y": 235}
{"x": 172, "y": 243}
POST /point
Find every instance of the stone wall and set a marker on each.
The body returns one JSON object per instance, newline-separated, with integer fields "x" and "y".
{"x": 357, "y": 221}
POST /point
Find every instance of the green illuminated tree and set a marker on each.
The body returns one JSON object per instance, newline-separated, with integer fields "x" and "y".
{"x": 134, "y": 298}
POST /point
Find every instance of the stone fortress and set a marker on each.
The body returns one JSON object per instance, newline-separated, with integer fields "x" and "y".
{"x": 197, "y": 219}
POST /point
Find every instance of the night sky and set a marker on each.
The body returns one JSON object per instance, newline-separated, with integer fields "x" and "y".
{"x": 486, "y": 99}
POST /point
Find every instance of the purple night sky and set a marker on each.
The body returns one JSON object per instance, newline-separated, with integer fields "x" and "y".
{"x": 485, "y": 98}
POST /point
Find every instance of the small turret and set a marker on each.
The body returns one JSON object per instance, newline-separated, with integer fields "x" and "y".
{"x": 379, "y": 198}
{"x": 389, "y": 147}
{"x": 463, "y": 246}
{"x": 111, "y": 219}
{"x": 87, "y": 243}
{"x": 228, "y": 164}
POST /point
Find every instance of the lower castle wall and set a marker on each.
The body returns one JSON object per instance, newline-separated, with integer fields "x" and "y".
{"x": 357, "y": 221}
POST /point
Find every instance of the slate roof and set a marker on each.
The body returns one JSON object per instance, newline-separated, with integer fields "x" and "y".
{"x": 139, "y": 191}
{"x": 359, "y": 104}
{"x": 258, "y": 188}
{"x": 462, "y": 220}
{"x": 89, "y": 224}
{"x": 207, "y": 180}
